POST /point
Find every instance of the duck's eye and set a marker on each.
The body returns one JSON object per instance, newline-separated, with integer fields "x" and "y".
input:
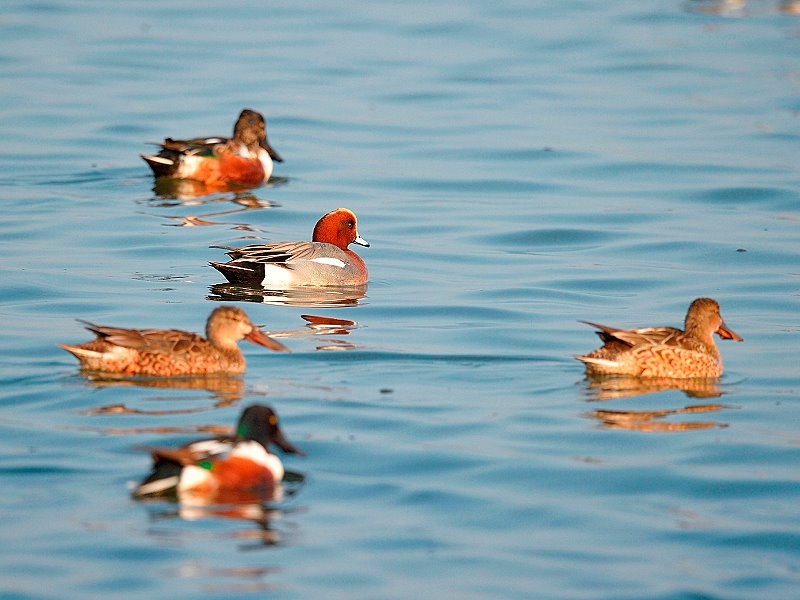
{"x": 350, "y": 224}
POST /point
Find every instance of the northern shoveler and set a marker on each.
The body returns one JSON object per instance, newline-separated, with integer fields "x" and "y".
{"x": 663, "y": 351}
{"x": 244, "y": 159}
{"x": 237, "y": 463}
{"x": 324, "y": 261}
{"x": 165, "y": 353}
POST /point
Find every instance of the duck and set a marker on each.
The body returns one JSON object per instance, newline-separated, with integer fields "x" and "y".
{"x": 245, "y": 159}
{"x": 222, "y": 466}
{"x": 324, "y": 261}
{"x": 663, "y": 351}
{"x": 172, "y": 352}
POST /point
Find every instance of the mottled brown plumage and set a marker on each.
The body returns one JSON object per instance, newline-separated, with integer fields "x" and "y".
{"x": 167, "y": 353}
{"x": 663, "y": 351}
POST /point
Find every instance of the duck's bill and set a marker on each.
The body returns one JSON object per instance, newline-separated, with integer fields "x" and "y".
{"x": 281, "y": 442}
{"x": 728, "y": 334}
{"x": 273, "y": 154}
{"x": 256, "y": 336}
{"x": 361, "y": 241}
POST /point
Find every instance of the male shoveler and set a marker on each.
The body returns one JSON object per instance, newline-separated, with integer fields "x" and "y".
{"x": 663, "y": 351}
{"x": 244, "y": 159}
{"x": 165, "y": 353}
{"x": 324, "y": 261}
{"x": 237, "y": 463}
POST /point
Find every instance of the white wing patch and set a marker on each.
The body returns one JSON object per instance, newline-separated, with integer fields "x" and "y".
{"x": 326, "y": 260}
{"x": 211, "y": 447}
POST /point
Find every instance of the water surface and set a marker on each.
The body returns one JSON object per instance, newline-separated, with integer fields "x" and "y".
{"x": 516, "y": 167}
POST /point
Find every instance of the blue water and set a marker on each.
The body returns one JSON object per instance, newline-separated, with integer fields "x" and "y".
{"x": 516, "y": 167}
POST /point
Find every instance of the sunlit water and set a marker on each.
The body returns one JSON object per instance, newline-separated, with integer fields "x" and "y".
{"x": 516, "y": 167}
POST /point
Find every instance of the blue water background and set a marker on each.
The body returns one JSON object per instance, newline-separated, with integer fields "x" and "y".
{"x": 516, "y": 166}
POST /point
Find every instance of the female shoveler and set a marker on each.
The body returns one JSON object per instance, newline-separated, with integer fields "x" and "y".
{"x": 244, "y": 159}
{"x": 165, "y": 353}
{"x": 324, "y": 261}
{"x": 663, "y": 351}
{"x": 236, "y": 463}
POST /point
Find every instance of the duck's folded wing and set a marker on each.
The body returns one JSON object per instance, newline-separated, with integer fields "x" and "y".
{"x": 148, "y": 340}
{"x": 279, "y": 252}
{"x": 193, "y": 146}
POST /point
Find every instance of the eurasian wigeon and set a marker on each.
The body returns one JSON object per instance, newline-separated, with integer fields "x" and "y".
{"x": 324, "y": 261}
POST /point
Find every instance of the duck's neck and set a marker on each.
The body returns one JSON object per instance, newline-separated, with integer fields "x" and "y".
{"x": 704, "y": 336}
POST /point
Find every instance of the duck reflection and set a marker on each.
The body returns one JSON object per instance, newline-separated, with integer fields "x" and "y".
{"x": 651, "y": 420}
{"x": 615, "y": 387}
{"x": 189, "y": 192}
{"x": 319, "y": 326}
{"x": 600, "y": 389}
{"x": 226, "y": 390}
{"x": 725, "y": 8}
{"x": 310, "y": 297}
{"x": 261, "y": 509}
{"x": 242, "y": 202}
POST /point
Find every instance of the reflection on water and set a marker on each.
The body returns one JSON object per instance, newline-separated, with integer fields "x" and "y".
{"x": 322, "y": 326}
{"x": 727, "y": 8}
{"x": 604, "y": 388}
{"x": 243, "y": 202}
{"x": 740, "y": 8}
{"x": 122, "y": 409}
{"x": 226, "y": 389}
{"x": 160, "y": 430}
{"x": 188, "y": 189}
{"x": 330, "y": 326}
{"x": 649, "y": 420}
{"x": 327, "y": 297}
{"x": 615, "y": 387}
{"x": 258, "y": 508}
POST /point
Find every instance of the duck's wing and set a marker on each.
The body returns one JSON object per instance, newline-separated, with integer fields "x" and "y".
{"x": 166, "y": 341}
{"x": 646, "y": 336}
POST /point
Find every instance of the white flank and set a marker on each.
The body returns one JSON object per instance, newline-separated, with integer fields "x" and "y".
{"x": 275, "y": 276}
{"x": 326, "y": 260}
{"x": 188, "y": 165}
{"x": 192, "y": 477}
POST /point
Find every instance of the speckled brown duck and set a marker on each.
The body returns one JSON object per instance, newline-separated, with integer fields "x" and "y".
{"x": 170, "y": 353}
{"x": 663, "y": 351}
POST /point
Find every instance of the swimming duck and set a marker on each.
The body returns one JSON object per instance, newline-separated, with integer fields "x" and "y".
{"x": 223, "y": 465}
{"x": 166, "y": 353}
{"x": 324, "y": 261}
{"x": 663, "y": 351}
{"x": 244, "y": 159}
